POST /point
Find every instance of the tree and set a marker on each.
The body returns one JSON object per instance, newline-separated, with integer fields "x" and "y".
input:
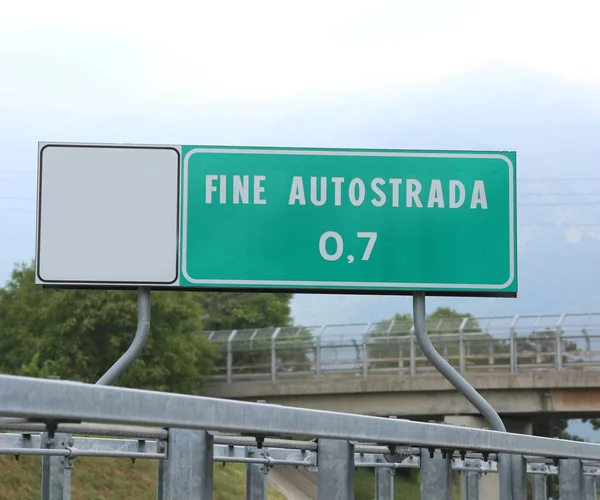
{"x": 239, "y": 310}
{"x": 79, "y": 334}
{"x": 594, "y": 421}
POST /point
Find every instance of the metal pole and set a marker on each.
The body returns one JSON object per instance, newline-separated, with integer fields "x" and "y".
{"x": 513, "y": 345}
{"x": 461, "y": 345}
{"x": 335, "y": 475}
{"x": 230, "y": 356}
{"x": 518, "y": 477}
{"x": 436, "y": 475}
{"x": 412, "y": 353}
{"x": 56, "y": 470}
{"x": 590, "y": 487}
{"x": 472, "y": 479}
{"x": 570, "y": 479}
{"x": 384, "y": 482}
{"x": 540, "y": 489}
{"x": 365, "y": 351}
{"x": 256, "y": 477}
{"x": 318, "y": 354}
{"x": 274, "y": 355}
{"x": 187, "y": 473}
{"x": 486, "y": 410}
{"x": 558, "y": 343}
{"x": 141, "y": 335}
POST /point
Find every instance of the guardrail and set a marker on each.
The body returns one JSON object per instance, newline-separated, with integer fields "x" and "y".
{"x": 512, "y": 344}
{"x": 189, "y": 433}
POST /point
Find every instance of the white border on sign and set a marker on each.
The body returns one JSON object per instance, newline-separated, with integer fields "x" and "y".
{"x": 353, "y": 284}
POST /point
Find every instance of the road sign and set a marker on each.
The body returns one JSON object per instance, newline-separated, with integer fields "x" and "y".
{"x": 297, "y": 219}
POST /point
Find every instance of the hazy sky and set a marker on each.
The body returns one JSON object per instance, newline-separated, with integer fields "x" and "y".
{"x": 310, "y": 73}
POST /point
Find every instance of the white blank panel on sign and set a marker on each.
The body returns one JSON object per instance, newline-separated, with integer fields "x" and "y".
{"x": 108, "y": 215}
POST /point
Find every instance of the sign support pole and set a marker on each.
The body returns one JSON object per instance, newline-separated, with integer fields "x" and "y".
{"x": 141, "y": 335}
{"x": 467, "y": 390}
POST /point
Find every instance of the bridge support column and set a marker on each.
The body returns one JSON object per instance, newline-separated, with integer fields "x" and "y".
{"x": 488, "y": 484}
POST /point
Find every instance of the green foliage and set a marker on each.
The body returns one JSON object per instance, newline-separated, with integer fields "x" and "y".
{"x": 554, "y": 427}
{"x": 79, "y": 334}
{"x": 238, "y": 311}
{"x": 594, "y": 421}
{"x": 113, "y": 478}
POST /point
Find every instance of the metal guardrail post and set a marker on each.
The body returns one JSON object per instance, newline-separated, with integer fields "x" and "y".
{"x": 590, "y": 487}
{"x": 518, "y": 477}
{"x": 436, "y": 475}
{"x": 472, "y": 479}
{"x": 384, "y": 482}
{"x": 257, "y": 476}
{"x": 539, "y": 486}
{"x": 187, "y": 472}
{"x": 335, "y": 470}
{"x": 141, "y": 336}
{"x": 570, "y": 479}
{"x": 274, "y": 355}
{"x": 56, "y": 470}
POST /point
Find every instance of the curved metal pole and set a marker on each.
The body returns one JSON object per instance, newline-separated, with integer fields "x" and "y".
{"x": 466, "y": 389}
{"x": 141, "y": 335}
{"x": 446, "y": 369}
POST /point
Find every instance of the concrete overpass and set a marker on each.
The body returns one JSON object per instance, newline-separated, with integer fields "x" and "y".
{"x": 523, "y": 366}
{"x": 571, "y": 393}
{"x": 526, "y": 367}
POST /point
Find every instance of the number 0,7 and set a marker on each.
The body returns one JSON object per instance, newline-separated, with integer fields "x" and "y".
{"x": 339, "y": 245}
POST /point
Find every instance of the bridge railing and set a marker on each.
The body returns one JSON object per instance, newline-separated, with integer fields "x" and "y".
{"x": 510, "y": 344}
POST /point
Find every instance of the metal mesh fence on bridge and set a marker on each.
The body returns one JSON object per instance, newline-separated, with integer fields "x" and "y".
{"x": 503, "y": 343}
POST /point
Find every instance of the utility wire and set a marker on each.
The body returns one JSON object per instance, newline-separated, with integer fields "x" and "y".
{"x": 519, "y": 179}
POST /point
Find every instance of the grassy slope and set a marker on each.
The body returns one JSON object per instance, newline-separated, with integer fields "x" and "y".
{"x": 108, "y": 479}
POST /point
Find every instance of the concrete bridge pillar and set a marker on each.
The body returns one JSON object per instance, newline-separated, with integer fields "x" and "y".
{"x": 488, "y": 485}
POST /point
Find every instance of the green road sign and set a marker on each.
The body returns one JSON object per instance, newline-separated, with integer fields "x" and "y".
{"x": 316, "y": 220}
{"x": 349, "y": 220}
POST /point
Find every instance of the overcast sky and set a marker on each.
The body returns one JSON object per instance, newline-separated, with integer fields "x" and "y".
{"x": 312, "y": 73}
